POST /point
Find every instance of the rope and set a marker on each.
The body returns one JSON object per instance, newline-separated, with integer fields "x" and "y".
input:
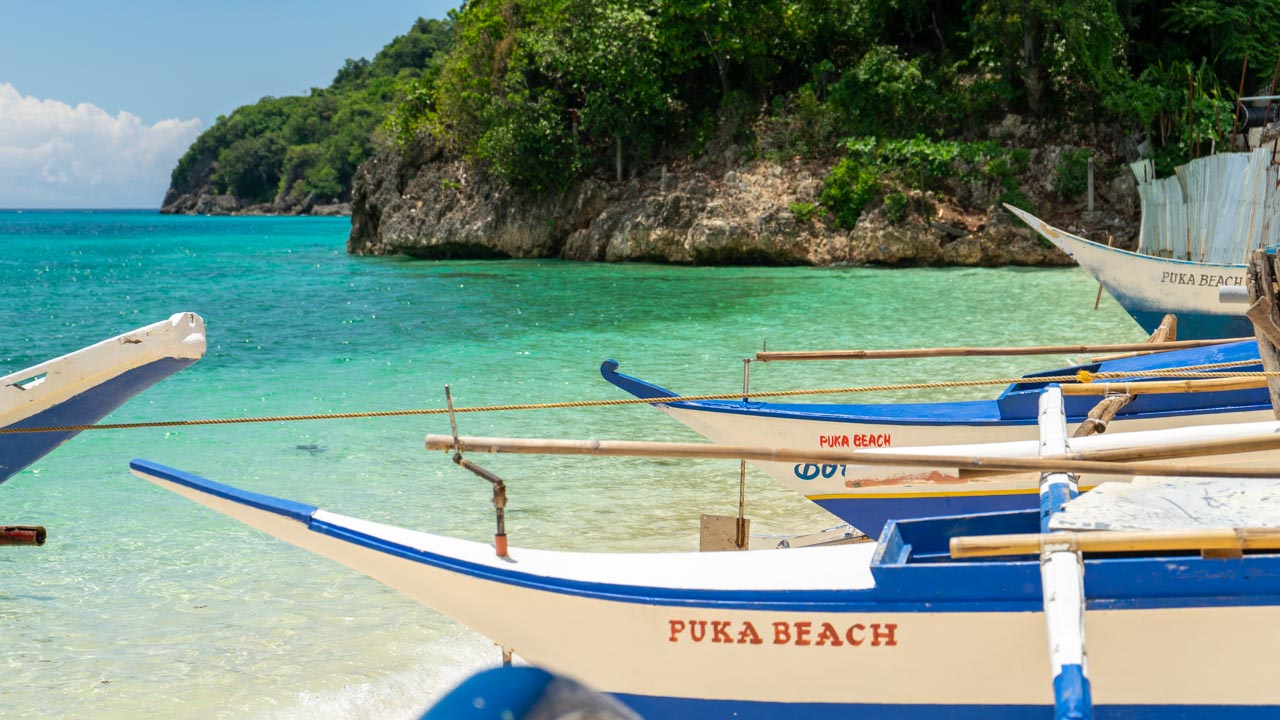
{"x": 1193, "y": 371}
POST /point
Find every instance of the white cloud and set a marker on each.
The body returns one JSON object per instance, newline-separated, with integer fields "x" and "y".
{"x": 53, "y": 155}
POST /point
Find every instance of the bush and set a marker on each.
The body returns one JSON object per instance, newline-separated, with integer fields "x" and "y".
{"x": 884, "y": 93}
{"x": 848, "y": 189}
{"x": 1073, "y": 172}
{"x": 895, "y": 207}
{"x": 805, "y": 212}
{"x": 525, "y": 145}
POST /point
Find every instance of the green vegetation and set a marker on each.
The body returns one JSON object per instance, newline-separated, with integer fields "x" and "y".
{"x": 805, "y": 212}
{"x": 544, "y": 92}
{"x": 896, "y": 206}
{"x": 919, "y": 164}
{"x": 296, "y": 147}
{"x": 1073, "y": 172}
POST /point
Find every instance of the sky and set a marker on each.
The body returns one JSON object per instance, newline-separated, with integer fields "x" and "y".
{"x": 98, "y": 100}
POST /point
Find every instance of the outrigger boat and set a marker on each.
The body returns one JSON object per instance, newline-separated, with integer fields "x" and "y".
{"x": 860, "y": 497}
{"x": 921, "y": 624}
{"x": 1198, "y": 228}
{"x": 1149, "y": 286}
{"x": 82, "y": 387}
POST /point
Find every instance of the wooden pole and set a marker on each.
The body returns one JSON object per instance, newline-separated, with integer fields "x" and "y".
{"x": 1110, "y": 240}
{"x": 1239, "y": 104}
{"x": 1118, "y": 541}
{"x": 1260, "y": 279}
{"x": 705, "y": 451}
{"x": 1156, "y": 387}
{"x": 779, "y": 355}
{"x": 1166, "y": 332}
{"x": 1102, "y": 414}
{"x": 1266, "y": 114}
{"x": 1191, "y": 104}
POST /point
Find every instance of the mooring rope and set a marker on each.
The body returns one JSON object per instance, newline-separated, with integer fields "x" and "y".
{"x": 1193, "y": 371}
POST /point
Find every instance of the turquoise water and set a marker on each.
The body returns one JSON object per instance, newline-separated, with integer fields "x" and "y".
{"x": 142, "y": 604}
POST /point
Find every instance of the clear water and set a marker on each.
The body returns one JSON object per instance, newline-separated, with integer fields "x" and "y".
{"x": 142, "y": 604}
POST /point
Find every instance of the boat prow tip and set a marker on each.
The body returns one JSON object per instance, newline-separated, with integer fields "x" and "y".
{"x": 634, "y": 386}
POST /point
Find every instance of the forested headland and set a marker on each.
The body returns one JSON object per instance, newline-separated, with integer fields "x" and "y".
{"x": 614, "y": 129}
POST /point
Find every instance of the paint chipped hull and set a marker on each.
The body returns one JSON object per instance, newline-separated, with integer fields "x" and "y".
{"x": 885, "y": 630}
{"x": 84, "y": 386}
{"x": 1150, "y": 287}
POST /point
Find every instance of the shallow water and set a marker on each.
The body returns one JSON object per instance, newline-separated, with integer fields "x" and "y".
{"x": 143, "y": 604}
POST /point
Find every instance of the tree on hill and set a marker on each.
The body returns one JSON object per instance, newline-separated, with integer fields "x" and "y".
{"x": 309, "y": 146}
{"x": 541, "y": 92}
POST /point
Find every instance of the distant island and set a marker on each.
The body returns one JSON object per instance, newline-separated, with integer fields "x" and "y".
{"x": 297, "y": 155}
{"x": 772, "y": 132}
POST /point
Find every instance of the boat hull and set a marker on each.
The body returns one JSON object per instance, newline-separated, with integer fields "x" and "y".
{"x": 1150, "y": 287}
{"x": 868, "y": 496}
{"x": 822, "y": 632}
{"x": 84, "y": 386}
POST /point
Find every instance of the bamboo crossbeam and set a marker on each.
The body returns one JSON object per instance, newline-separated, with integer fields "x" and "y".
{"x": 1116, "y": 541}
{"x": 704, "y": 451}
{"x": 780, "y": 355}
{"x": 1101, "y": 415}
{"x": 1153, "y": 387}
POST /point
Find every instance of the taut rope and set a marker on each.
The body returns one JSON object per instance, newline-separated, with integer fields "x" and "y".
{"x": 1194, "y": 371}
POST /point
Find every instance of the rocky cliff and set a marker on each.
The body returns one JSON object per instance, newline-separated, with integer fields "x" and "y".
{"x": 716, "y": 211}
{"x": 203, "y": 201}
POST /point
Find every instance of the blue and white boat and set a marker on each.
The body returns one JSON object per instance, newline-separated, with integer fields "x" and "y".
{"x": 1198, "y": 228}
{"x": 84, "y": 386}
{"x": 867, "y": 497}
{"x": 891, "y": 630}
{"x": 1148, "y": 287}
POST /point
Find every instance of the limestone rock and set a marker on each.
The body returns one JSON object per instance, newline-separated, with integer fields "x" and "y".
{"x": 425, "y": 203}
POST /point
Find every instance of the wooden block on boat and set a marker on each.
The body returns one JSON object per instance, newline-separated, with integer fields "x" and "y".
{"x": 720, "y": 532}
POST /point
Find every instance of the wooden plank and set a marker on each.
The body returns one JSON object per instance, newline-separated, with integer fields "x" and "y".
{"x": 1154, "y": 387}
{"x": 717, "y": 533}
{"x": 1106, "y": 541}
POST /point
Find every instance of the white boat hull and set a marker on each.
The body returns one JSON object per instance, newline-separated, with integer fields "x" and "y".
{"x": 82, "y": 387}
{"x": 1150, "y": 287}
{"x": 850, "y": 630}
{"x": 868, "y": 496}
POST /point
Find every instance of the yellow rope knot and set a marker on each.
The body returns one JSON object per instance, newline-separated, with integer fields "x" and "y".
{"x": 1084, "y": 376}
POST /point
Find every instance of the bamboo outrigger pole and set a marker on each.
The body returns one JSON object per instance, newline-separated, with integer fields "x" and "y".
{"x": 706, "y": 451}
{"x": 1153, "y": 387}
{"x": 1197, "y": 539}
{"x": 779, "y": 355}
